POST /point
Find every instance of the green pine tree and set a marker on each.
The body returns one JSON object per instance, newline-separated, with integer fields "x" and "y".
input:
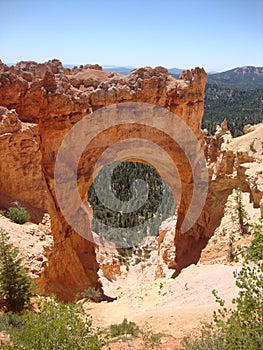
{"x": 15, "y": 283}
{"x": 241, "y": 214}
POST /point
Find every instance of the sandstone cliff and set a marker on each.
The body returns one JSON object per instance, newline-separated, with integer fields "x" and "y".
{"x": 21, "y": 176}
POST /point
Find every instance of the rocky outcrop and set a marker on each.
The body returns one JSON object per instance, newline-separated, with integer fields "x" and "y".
{"x": 237, "y": 160}
{"x": 21, "y": 176}
{"x": 166, "y": 249}
{"x": 232, "y": 163}
{"x": 49, "y": 100}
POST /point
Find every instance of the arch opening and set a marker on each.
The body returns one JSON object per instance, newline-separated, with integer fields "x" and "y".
{"x": 129, "y": 200}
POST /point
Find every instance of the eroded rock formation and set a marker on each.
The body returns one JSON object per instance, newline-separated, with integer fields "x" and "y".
{"x": 41, "y": 103}
{"x": 232, "y": 163}
{"x": 21, "y": 176}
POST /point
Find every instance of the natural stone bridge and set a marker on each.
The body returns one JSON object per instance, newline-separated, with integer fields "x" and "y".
{"x": 48, "y": 101}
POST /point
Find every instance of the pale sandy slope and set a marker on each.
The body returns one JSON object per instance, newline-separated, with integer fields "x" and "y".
{"x": 33, "y": 241}
{"x": 176, "y": 308}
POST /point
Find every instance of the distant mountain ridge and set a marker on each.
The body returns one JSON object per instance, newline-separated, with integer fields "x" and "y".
{"x": 127, "y": 69}
{"x": 247, "y": 77}
{"x": 175, "y": 71}
{"x": 118, "y": 69}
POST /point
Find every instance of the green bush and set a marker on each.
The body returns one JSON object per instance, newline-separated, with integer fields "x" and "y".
{"x": 208, "y": 340}
{"x": 239, "y": 327}
{"x": 15, "y": 283}
{"x": 19, "y": 215}
{"x": 124, "y": 328}
{"x": 150, "y": 339}
{"x": 138, "y": 260}
{"x": 92, "y": 294}
{"x": 57, "y": 326}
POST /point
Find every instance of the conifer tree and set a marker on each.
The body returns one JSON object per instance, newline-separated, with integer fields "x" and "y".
{"x": 241, "y": 214}
{"x": 15, "y": 283}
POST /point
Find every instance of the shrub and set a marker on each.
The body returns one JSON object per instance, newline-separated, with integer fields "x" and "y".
{"x": 161, "y": 286}
{"x": 57, "y": 326}
{"x": 138, "y": 260}
{"x": 125, "y": 252}
{"x": 124, "y": 328}
{"x": 15, "y": 283}
{"x": 92, "y": 294}
{"x": 19, "y": 215}
{"x": 206, "y": 341}
{"x": 150, "y": 339}
{"x": 147, "y": 253}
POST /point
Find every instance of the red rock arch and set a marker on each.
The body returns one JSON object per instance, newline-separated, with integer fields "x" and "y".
{"x": 54, "y": 99}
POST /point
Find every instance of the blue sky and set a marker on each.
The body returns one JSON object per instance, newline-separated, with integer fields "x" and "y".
{"x": 215, "y": 34}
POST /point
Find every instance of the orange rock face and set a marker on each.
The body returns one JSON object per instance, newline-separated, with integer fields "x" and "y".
{"x": 21, "y": 176}
{"x": 42, "y": 103}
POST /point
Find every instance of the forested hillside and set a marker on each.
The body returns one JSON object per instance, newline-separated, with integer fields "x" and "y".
{"x": 239, "y": 107}
{"x": 235, "y": 95}
{"x": 147, "y": 217}
{"x": 247, "y": 77}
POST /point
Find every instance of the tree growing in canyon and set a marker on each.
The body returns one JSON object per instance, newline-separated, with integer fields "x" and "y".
{"x": 15, "y": 283}
{"x": 240, "y": 212}
{"x": 239, "y": 217}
